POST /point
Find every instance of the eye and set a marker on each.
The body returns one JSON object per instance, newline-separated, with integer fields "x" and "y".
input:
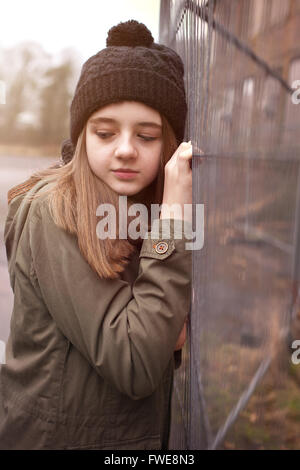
{"x": 147, "y": 139}
{"x": 106, "y": 135}
{"x": 103, "y": 135}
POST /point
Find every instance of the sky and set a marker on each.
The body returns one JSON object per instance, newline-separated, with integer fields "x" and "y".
{"x": 78, "y": 24}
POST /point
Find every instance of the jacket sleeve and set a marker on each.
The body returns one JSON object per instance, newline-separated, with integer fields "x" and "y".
{"x": 127, "y": 333}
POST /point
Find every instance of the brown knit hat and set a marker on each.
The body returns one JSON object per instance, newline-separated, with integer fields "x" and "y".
{"x": 132, "y": 67}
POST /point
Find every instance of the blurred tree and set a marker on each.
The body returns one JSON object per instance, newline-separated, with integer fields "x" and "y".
{"x": 38, "y": 93}
{"x": 21, "y": 67}
{"x": 55, "y": 101}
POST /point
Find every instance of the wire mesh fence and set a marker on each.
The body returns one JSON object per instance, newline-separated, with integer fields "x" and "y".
{"x": 237, "y": 386}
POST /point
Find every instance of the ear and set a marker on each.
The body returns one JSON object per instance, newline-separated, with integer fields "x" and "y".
{"x": 67, "y": 151}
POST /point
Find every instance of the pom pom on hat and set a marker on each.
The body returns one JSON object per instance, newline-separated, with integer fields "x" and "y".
{"x": 130, "y": 33}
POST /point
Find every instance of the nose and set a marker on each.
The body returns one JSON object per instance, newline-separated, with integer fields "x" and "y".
{"x": 125, "y": 148}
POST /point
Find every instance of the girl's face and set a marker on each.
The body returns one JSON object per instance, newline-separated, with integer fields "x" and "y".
{"x": 126, "y": 136}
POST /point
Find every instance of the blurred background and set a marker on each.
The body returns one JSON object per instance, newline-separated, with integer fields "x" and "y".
{"x": 42, "y": 48}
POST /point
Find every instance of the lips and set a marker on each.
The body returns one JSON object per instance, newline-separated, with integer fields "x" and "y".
{"x": 125, "y": 174}
{"x": 125, "y": 170}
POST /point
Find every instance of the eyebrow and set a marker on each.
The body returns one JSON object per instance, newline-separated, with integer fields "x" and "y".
{"x": 110, "y": 120}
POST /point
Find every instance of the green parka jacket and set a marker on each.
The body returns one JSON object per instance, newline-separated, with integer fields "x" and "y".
{"x": 89, "y": 362}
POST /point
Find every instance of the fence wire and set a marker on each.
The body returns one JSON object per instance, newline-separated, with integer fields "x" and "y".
{"x": 241, "y": 60}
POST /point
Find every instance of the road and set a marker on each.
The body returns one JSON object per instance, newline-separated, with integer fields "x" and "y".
{"x": 13, "y": 170}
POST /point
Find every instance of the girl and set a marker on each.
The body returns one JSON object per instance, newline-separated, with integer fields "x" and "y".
{"x": 96, "y": 321}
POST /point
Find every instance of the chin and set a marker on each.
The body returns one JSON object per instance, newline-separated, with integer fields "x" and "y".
{"x": 127, "y": 193}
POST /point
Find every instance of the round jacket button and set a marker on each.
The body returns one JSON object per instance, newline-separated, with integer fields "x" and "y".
{"x": 161, "y": 247}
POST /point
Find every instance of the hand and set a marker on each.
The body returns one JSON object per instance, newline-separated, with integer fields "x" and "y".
{"x": 182, "y": 337}
{"x": 178, "y": 183}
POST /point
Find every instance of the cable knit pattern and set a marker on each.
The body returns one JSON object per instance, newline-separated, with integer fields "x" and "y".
{"x": 137, "y": 70}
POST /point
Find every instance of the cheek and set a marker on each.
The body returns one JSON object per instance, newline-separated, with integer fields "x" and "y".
{"x": 153, "y": 167}
{"x": 91, "y": 145}
{"x": 96, "y": 161}
{"x": 89, "y": 149}
{"x": 154, "y": 170}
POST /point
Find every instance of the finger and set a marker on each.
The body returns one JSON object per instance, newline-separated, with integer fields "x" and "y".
{"x": 183, "y": 146}
{"x": 187, "y": 153}
{"x": 184, "y": 159}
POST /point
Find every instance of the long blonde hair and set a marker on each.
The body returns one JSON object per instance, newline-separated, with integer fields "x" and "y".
{"x": 76, "y": 194}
